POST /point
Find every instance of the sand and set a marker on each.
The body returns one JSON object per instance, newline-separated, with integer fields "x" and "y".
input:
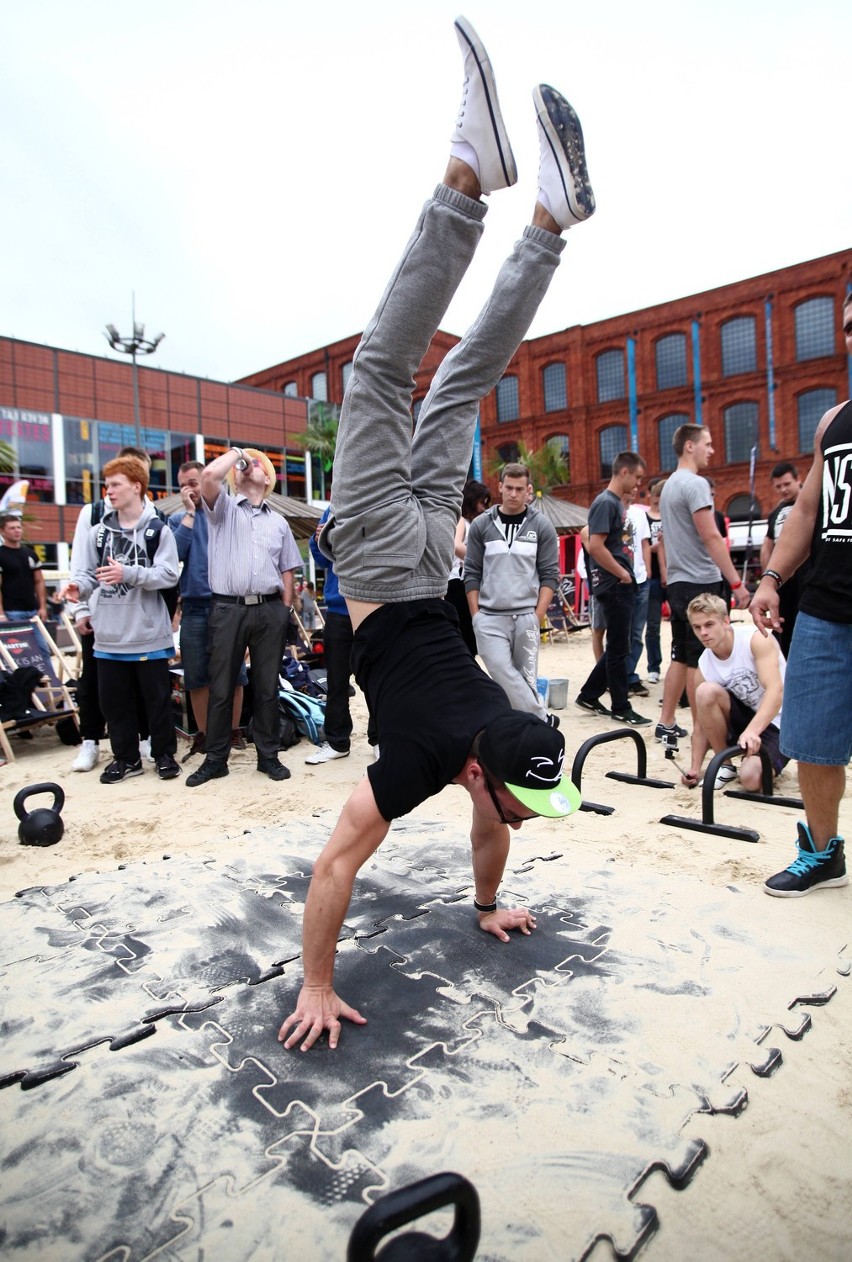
{"x": 776, "y": 1182}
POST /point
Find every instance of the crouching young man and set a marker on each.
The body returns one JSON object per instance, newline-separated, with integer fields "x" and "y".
{"x": 739, "y": 690}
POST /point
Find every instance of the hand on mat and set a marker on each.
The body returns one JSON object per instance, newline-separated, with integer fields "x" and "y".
{"x": 497, "y": 922}
{"x": 318, "y": 1008}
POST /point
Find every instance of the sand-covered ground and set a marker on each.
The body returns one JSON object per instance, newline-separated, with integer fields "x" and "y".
{"x": 777, "y": 1180}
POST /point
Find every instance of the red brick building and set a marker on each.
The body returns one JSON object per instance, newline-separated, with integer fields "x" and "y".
{"x": 65, "y": 415}
{"x": 758, "y": 361}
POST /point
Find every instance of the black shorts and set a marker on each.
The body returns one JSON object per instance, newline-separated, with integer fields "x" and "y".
{"x": 741, "y": 716}
{"x": 686, "y": 647}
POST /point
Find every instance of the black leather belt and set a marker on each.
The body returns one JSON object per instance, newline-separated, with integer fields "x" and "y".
{"x": 247, "y": 600}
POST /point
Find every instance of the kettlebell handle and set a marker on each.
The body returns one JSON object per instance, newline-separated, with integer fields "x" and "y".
{"x": 409, "y": 1203}
{"x": 22, "y": 795}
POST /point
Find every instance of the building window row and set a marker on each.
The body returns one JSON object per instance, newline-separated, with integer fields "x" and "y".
{"x": 815, "y": 337}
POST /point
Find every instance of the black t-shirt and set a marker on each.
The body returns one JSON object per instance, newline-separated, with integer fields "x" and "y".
{"x": 427, "y": 696}
{"x": 608, "y": 516}
{"x": 17, "y": 566}
{"x": 827, "y": 587}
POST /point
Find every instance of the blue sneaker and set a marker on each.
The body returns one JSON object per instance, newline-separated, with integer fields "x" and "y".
{"x": 812, "y": 869}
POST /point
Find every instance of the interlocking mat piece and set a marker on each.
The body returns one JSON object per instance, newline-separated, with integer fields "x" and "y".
{"x": 149, "y": 1110}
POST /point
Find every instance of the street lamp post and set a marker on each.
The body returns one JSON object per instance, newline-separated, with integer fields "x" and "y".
{"x": 138, "y": 344}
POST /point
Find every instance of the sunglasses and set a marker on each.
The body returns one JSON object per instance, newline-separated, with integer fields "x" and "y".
{"x": 501, "y": 814}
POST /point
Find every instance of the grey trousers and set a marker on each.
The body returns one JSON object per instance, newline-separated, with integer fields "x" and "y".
{"x": 396, "y": 498}
{"x": 508, "y": 644}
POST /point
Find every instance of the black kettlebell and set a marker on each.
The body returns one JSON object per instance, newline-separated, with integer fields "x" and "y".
{"x": 43, "y": 826}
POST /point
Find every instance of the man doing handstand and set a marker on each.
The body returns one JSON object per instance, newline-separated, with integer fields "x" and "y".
{"x": 440, "y": 719}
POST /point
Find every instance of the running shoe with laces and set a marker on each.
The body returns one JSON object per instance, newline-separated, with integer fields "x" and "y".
{"x": 661, "y": 731}
{"x": 87, "y": 758}
{"x": 116, "y": 771}
{"x": 325, "y": 753}
{"x": 724, "y": 775}
{"x": 812, "y": 869}
{"x": 480, "y": 126}
{"x": 594, "y": 706}
{"x": 167, "y": 767}
{"x": 630, "y": 717}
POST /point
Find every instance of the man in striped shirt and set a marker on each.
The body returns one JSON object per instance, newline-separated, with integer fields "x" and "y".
{"x": 252, "y": 556}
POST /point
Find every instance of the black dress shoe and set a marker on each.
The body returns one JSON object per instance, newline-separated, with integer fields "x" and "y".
{"x": 273, "y": 768}
{"x": 207, "y": 771}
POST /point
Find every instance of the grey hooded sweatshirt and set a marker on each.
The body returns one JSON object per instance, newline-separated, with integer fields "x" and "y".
{"x": 508, "y": 579}
{"x": 130, "y": 617}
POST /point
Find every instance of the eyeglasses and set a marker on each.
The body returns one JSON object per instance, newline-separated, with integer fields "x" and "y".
{"x": 503, "y": 817}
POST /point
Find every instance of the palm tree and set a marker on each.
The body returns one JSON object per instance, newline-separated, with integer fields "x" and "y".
{"x": 320, "y": 438}
{"x": 319, "y": 442}
{"x": 548, "y": 465}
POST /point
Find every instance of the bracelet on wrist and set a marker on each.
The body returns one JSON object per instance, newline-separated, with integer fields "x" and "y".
{"x": 485, "y": 906}
{"x": 735, "y": 587}
{"x": 773, "y": 574}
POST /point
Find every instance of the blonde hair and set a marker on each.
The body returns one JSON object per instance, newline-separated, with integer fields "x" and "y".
{"x": 709, "y": 604}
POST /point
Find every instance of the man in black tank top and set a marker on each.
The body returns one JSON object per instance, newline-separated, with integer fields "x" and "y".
{"x": 816, "y": 726}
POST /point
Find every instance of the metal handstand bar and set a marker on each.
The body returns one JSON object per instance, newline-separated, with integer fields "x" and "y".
{"x": 604, "y": 738}
{"x": 706, "y": 823}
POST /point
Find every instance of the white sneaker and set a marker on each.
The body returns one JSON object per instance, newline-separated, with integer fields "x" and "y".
{"x": 724, "y": 775}
{"x": 480, "y": 123}
{"x": 145, "y": 751}
{"x": 653, "y": 677}
{"x": 87, "y": 758}
{"x": 563, "y": 179}
{"x": 325, "y": 753}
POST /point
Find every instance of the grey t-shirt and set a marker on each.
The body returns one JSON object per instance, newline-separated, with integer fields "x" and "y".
{"x": 687, "y": 559}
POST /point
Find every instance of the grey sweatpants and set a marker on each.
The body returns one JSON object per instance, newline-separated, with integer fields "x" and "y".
{"x": 396, "y": 499}
{"x": 508, "y": 645}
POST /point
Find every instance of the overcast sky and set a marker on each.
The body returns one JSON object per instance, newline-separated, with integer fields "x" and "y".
{"x": 252, "y": 168}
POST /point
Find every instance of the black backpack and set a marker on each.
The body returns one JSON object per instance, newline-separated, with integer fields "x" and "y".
{"x": 152, "y": 541}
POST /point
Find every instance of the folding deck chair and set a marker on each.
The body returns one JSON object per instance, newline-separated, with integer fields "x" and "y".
{"x": 51, "y": 700}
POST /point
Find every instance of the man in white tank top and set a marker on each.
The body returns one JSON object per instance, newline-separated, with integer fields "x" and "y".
{"x": 739, "y": 692}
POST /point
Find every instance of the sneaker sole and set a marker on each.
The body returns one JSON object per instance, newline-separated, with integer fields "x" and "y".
{"x": 128, "y": 775}
{"x": 836, "y": 883}
{"x": 564, "y": 134}
{"x": 489, "y": 87}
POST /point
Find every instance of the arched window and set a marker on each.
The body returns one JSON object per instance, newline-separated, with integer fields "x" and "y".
{"x": 508, "y": 453}
{"x": 345, "y": 374}
{"x": 611, "y": 441}
{"x": 811, "y": 407}
{"x": 740, "y": 431}
{"x": 739, "y": 346}
{"x": 610, "y": 373}
{"x": 291, "y": 389}
{"x": 666, "y": 427}
{"x": 739, "y": 508}
{"x": 670, "y": 352}
{"x": 555, "y": 388}
{"x": 508, "y": 407}
{"x": 815, "y": 328}
{"x": 319, "y": 387}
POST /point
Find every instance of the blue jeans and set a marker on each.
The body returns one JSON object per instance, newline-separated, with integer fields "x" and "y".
{"x": 610, "y": 672}
{"x": 637, "y": 630}
{"x": 816, "y": 719}
{"x": 656, "y": 597}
